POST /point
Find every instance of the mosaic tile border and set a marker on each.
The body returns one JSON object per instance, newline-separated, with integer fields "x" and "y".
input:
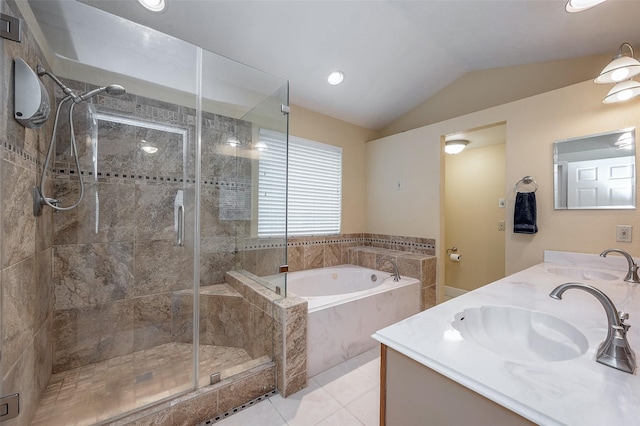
{"x": 400, "y": 243}
{"x": 22, "y": 153}
{"x": 111, "y": 177}
{"x": 252, "y": 244}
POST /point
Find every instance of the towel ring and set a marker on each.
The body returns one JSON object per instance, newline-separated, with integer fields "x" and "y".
{"x": 527, "y": 180}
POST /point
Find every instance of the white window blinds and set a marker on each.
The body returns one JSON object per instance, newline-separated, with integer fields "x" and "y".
{"x": 315, "y": 187}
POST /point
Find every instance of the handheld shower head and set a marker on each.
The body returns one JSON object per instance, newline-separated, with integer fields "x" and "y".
{"x": 113, "y": 89}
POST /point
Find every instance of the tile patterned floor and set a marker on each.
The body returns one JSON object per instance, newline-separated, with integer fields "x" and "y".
{"x": 86, "y": 395}
{"x": 345, "y": 395}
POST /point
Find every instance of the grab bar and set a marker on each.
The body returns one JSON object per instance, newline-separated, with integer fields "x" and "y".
{"x": 180, "y": 233}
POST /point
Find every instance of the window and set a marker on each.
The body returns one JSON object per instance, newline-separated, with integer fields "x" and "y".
{"x": 315, "y": 187}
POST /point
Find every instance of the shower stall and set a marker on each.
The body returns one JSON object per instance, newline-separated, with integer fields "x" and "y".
{"x": 138, "y": 309}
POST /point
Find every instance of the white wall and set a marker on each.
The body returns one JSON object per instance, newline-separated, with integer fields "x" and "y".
{"x": 533, "y": 124}
{"x": 474, "y": 182}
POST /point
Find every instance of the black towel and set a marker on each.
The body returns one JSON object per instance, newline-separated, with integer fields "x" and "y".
{"x": 524, "y": 215}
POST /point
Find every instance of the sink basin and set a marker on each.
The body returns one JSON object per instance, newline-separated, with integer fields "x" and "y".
{"x": 581, "y": 274}
{"x": 520, "y": 334}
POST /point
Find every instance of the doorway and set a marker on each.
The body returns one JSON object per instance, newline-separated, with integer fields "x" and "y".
{"x": 474, "y": 214}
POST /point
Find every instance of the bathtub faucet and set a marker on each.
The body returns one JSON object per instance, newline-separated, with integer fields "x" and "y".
{"x": 396, "y": 272}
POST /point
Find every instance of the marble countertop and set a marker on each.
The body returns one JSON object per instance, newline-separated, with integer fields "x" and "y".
{"x": 578, "y": 391}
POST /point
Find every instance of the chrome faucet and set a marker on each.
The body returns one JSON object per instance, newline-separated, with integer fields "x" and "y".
{"x": 614, "y": 351}
{"x": 396, "y": 272}
{"x": 632, "y": 273}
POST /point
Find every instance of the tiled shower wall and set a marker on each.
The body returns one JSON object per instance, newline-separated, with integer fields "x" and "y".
{"x": 119, "y": 276}
{"x": 25, "y": 241}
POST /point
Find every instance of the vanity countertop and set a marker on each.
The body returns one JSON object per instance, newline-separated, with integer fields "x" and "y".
{"x": 578, "y": 391}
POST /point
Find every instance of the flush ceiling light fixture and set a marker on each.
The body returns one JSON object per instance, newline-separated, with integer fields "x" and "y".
{"x": 455, "y": 146}
{"x": 622, "y": 91}
{"x": 335, "y": 78}
{"x": 620, "y": 68}
{"x": 153, "y": 5}
{"x": 574, "y": 6}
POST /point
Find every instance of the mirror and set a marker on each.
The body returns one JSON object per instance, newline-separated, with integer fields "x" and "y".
{"x": 596, "y": 171}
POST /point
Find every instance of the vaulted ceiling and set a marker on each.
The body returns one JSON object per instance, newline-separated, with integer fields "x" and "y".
{"x": 395, "y": 54}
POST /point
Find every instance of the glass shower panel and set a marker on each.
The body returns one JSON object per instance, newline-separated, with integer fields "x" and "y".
{"x": 235, "y": 334}
{"x": 124, "y": 260}
{"x": 3, "y": 133}
{"x": 238, "y": 103}
{"x": 263, "y": 258}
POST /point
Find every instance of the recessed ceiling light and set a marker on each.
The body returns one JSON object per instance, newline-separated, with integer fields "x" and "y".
{"x": 574, "y": 6}
{"x": 150, "y": 149}
{"x": 336, "y": 77}
{"x": 153, "y": 5}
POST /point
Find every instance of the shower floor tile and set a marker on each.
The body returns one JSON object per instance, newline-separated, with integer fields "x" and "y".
{"x": 97, "y": 392}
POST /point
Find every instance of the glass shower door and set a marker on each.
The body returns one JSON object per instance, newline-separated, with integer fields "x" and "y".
{"x": 124, "y": 259}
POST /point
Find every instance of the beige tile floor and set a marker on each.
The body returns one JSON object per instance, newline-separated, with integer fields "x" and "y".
{"x": 345, "y": 395}
{"x": 100, "y": 391}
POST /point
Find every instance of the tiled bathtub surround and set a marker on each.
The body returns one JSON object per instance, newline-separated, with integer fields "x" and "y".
{"x": 415, "y": 256}
{"x": 318, "y": 252}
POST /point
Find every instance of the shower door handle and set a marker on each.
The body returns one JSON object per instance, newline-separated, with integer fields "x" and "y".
{"x": 180, "y": 236}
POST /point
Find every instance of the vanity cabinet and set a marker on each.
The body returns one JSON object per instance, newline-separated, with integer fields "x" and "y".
{"x": 414, "y": 395}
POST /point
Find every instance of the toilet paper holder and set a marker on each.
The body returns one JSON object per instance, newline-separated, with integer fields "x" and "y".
{"x": 452, "y": 250}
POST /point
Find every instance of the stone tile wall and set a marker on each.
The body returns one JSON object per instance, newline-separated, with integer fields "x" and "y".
{"x": 26, "y": 243}
{"x": 116, "y": 266}
{"x": 289, "y": 317}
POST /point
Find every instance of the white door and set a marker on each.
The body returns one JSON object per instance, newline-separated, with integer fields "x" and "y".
{"x": 601, "y": 183}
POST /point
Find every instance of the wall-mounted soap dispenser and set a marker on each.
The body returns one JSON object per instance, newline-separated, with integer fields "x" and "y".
{"x": 30, "y": 100}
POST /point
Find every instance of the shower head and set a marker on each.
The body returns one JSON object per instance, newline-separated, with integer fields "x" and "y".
{"x": 113, "y": 89}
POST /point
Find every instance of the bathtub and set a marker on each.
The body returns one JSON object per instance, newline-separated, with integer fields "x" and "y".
{"x": 346, "y": 305}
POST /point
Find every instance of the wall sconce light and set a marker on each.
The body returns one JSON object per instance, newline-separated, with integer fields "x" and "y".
{"x": 620, "y": 68}
{"x": 622, "y": 91}
{"x": 574, "y": 6}
{"x": 620, "y": 71}
{"x": 455, "y": 146}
